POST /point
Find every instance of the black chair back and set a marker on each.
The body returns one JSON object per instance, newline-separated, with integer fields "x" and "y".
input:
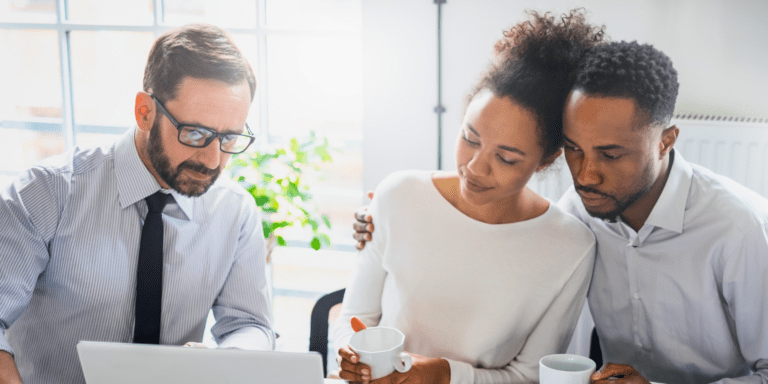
{"x": 318, "y": 329}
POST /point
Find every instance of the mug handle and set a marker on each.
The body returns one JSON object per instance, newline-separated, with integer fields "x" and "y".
{"x": 402, "y": 362}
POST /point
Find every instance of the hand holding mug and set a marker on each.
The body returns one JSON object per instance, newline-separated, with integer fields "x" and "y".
{"x": 565, "y": 369}
{"x": 612, "y": 373}
{"x": 350, "y": 367}
{"x": 424, "y": 370}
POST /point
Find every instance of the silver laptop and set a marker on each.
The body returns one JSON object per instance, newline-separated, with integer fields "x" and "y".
{"x": 120, "y": 363}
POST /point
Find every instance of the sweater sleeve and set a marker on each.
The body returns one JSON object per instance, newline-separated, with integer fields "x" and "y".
{"x": 363, "y": 295}
{"x": 551, "y": 335}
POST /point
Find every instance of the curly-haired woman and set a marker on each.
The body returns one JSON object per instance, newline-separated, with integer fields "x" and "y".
{"x": 482, "y": 275}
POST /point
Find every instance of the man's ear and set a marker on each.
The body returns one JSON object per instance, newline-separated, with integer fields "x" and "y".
{"x": 144, "y": 110}
{"x": 668, "y": 139}
{"x": 549, "y": 160}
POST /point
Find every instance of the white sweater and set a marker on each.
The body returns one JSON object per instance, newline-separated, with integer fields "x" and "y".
{"x": 492, "y": 299}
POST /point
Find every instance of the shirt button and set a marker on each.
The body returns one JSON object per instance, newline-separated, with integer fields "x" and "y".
{"x": 636, "y": 295}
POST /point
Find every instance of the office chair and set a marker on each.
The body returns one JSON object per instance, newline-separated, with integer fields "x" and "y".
{"x": 595, "y": 353}
{"x": 322, "y": 315}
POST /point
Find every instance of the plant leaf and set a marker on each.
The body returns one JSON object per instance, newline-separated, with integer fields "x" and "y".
{"x": 315, "y": 244}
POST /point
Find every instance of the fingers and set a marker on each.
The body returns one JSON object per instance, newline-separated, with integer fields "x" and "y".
{"x": 611, "y": 371}
{"x": 348, "y": 354}
{"x": 194, "y": 344}
{"x": 364, "y": 228}
{"x": 350, "y": 368}
{"x": 361, "y": 214}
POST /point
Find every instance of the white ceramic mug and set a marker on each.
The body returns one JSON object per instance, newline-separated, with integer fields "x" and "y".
{"x": 381, "y": 349}
{"x": 565, "y": 369}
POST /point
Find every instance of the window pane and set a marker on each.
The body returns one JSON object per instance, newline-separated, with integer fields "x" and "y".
{"x": 28, "y": 11}
{"x": 248, "y": 44}
{"x": 224, "y": 13}
{"x": 315, "y": 84}
{"x": 31, "y": 76}
{"x": 107, "y": 71}
{"x": 122, "y": 12}
{"x": 21, "y": 148}
{"x": 305, "y": 14}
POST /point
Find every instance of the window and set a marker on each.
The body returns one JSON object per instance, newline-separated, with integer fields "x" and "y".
{"x": 71, "y": 70}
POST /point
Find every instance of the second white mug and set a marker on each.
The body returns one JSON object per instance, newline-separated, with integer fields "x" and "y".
{"x": 565, "y": 369}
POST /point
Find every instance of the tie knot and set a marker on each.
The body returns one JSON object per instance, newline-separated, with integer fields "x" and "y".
{"x": 156, "y": 201}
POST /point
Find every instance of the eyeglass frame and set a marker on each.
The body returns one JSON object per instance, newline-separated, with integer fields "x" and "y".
{"x": 214, "y": 134}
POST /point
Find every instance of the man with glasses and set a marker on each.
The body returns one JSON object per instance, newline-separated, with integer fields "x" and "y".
{"x": 137, "y": 242}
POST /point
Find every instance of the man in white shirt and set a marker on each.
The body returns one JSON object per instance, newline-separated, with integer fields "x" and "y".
{"x": 678, "y": 293}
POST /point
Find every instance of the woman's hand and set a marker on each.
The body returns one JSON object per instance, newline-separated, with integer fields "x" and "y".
{"x": 350, "y": 367}
{"x": 424, "y": 370}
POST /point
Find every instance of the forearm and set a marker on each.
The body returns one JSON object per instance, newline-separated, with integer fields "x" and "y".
{"x": 9, "y": 374}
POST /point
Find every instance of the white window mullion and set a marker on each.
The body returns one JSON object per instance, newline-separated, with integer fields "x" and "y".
{"x": 262, "y": 88}
{"x": 65, "y": 60}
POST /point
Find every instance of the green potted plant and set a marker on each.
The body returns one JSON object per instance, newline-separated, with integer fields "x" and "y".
{"x": 276, "y": 176}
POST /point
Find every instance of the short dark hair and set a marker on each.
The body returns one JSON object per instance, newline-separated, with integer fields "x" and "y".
{"x": 631, "y": 70}
{"x": 196, "y": 50}
{"x": 534, "y": 65}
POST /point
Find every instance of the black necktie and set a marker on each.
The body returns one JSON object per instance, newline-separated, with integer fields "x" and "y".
{"x": 149, "y": 275}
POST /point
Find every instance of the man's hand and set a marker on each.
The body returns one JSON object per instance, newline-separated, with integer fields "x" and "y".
{"x": 618, "y": 374}
{"x": 424, "y": 370}
{"x": 364, "y": 225}
{"x": 195, "y": 344}
{"x": 9, "y": 374}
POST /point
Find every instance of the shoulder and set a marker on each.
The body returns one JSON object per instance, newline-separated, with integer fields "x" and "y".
{"x": 717, "y": 197}
{"x": 404, "y": 183}
{"x": 55, "y": 172}
{"x": 568, "y": 228}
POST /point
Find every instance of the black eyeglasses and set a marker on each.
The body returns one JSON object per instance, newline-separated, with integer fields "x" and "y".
{"x": 199, "y": 137}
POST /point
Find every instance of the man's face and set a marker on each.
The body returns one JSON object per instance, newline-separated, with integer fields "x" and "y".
{"x": 613, "y": 161}
{"x": 201, "y": 102}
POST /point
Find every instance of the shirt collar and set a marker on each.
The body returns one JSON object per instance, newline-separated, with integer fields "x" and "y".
{"x": 669, "y": 211}
{"x": 134, "y": 181}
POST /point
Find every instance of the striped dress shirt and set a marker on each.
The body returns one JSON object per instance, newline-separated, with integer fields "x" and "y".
{"x": 70, "y": 230}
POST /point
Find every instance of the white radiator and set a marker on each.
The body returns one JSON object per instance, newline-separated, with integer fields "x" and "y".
{"x": 733, "y": 147}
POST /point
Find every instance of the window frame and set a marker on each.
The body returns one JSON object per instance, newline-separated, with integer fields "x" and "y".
{"x": 69, "y": 127}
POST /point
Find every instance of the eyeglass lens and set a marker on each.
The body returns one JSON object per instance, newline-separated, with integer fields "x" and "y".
{"x": 196, "y": 137}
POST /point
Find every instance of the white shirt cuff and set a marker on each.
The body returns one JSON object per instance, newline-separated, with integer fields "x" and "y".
{"x": 248, "y": 338}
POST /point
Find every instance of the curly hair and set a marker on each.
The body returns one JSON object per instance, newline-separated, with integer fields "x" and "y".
{"x": 534, "y": 65}
{"x": 631, "y": 70}
{"x": 196, "y": 50}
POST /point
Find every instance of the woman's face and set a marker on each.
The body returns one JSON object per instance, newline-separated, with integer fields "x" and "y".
{"x": 497, "y": 150}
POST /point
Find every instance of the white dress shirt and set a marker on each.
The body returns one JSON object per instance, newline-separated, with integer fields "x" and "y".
{"x": 685, "y": 299}
{"x": 492, "y": 299}
{"x": 69, "y": 246}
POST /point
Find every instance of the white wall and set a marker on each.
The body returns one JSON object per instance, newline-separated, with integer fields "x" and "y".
{"x": 399, "y": 87}
{"x": 720, "y": 49}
